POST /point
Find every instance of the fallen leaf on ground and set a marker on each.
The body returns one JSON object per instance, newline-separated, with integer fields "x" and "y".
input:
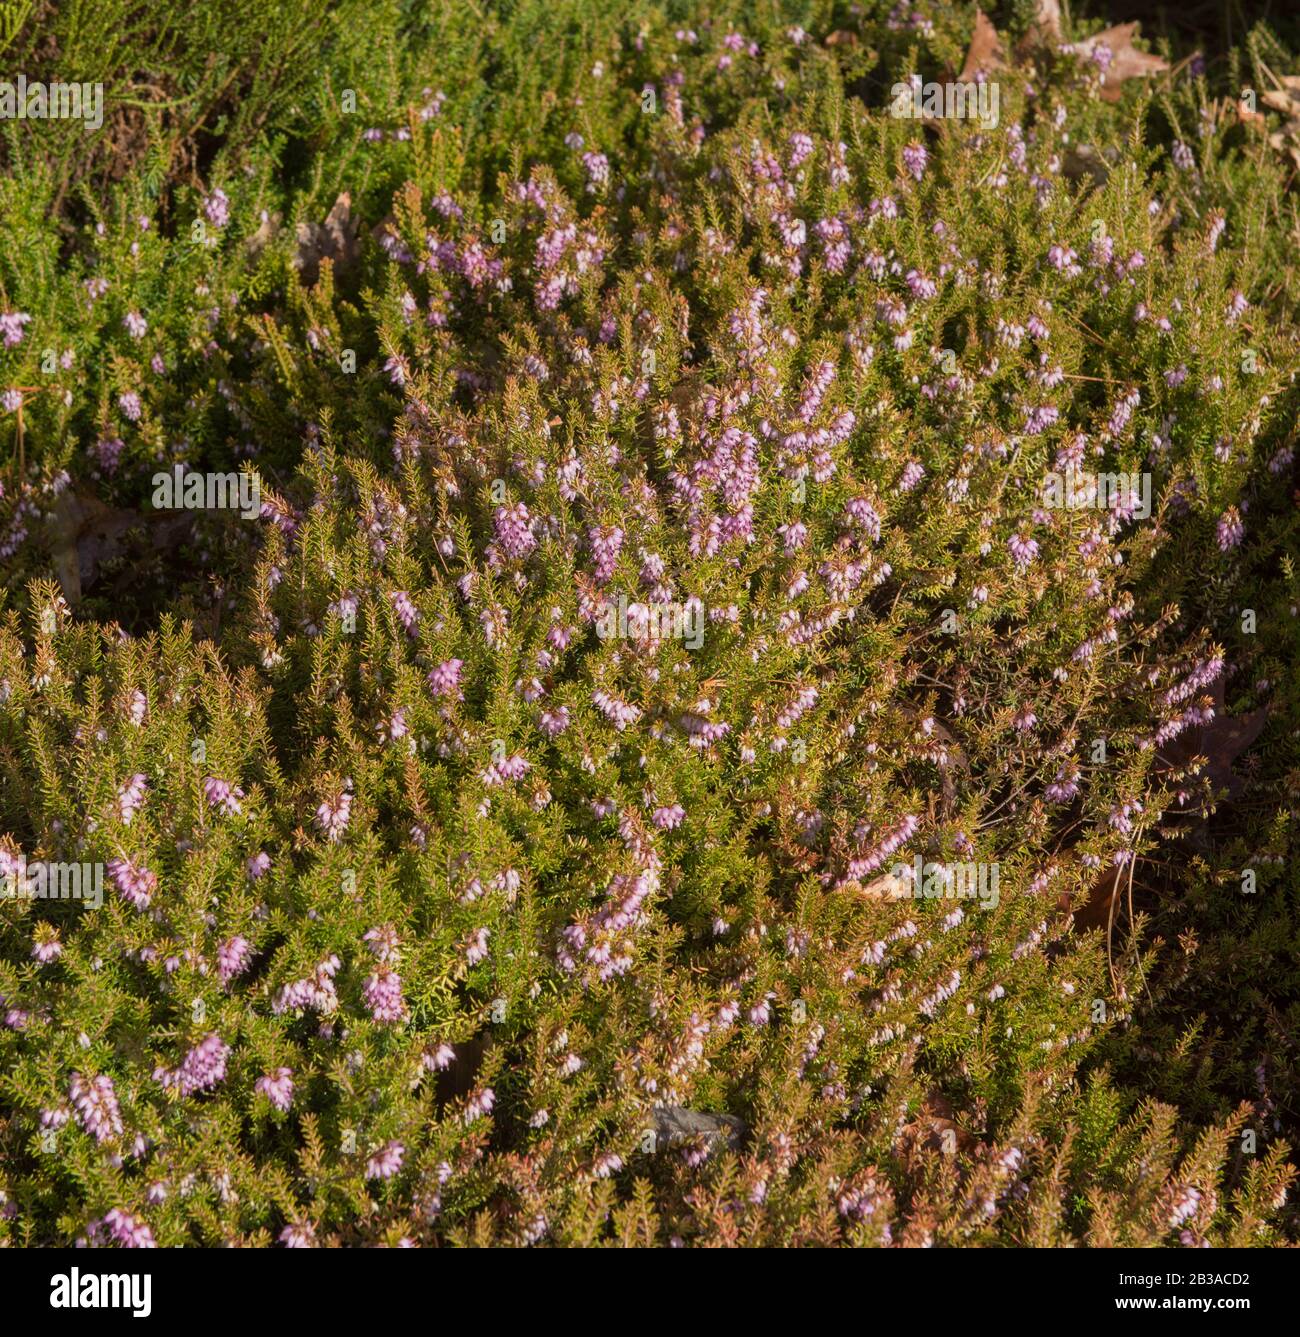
{"x": 887, "y": 887}
{"x": 87, "y": 533}
{"x": 1126, "y": 61}
{"x": 1286, "y": 100}
{"x": 1084, "y": 160}
{"x": 1045, "y": 30}
{"x": 335, "y": 239}
{"x": 1220, "y": 742}
{"x": 673, "y": 1124}
{"x": 986, "y": 52}
{"x": 264, "y": 236}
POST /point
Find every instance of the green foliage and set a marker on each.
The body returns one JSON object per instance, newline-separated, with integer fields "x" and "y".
{"x": 496, "y": 886}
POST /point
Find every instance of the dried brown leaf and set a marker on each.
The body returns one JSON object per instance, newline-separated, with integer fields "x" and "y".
{"x": 1046, "y": 27}
{"x": 986, "y": 51}
{"x": 1220, "y": 742}
{"x": 335, "y": 239}
{"x": 1126, "y": 62}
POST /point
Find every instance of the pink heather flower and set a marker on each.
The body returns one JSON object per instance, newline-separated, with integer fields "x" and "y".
{"x": 257, "y": 864}
{"x": 512, "y": 526}
{"x": 203, "y": 1067}
{"x": 863, "y": 514}
{"x": 920, "y": 285}
{"x": 221, "y": 794}
{"x": 837, "y": 171}
{"x": 395, "y": 726}
{"x": 1120, "y": 818}
{"x": 801, "y": 147}
{"x": 1066, "y": 784}
{"x": 135, "y": 884}
{"x": 107, "y": 451}
{"x": 555, "y": 722}
{"x": 438, "y": 1058}
{"x": 11, "y": 327}
{"x": 513, "y": 767}
{"x": 805, "y": 700}
{"x": 125, "y": 1230}
{"x": 46, "y": 946}
{"x": 891, "y": 841}
{"x": 606, "y": 544}
{"x": 1023, "y": 550}
{"x": 277, "y": 1087}
{"x": 383, "y": 995}
{"x": 836, "y": 247}
{"x": 480, "y": 1103}
{"x": 1200, "y": 677}
{"x": 1185, "y": 1207}
{"x": 300, "y": 1235}
{"x": 382, "y": 942}
{"x": 316, "y": 992}
{"x": 795, "y": 536}
{"x": 912, "y": 474}
{"x": 474, "y": 945}
{"x": 136, "y": 325}
{"x": 445, "y": 679}
{"x": 1230, "y": 529}
{"x": 407, "y": 613}
{"x": 387, "y": 1161}
{"x": 217, "y": 208}
{"x": 232, "y": 959}
{"x": 96, "y": 1106}
{"x": 131, "y": 796}
{"x": 666, "y": 819}
{"x": 607, "y": 1164}
{"x": 332, "y": 818}
{"x": 596, "y": 165}
{"x": 620, "y": 713}
{"x": 914, "y": 159}
{"x": 129, "y": 403}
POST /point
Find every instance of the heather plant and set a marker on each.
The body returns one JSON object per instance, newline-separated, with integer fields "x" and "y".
{"x": 645, "y": 775}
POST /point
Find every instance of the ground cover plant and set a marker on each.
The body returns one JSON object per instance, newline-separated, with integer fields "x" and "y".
{"x": 554, "y": 623}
